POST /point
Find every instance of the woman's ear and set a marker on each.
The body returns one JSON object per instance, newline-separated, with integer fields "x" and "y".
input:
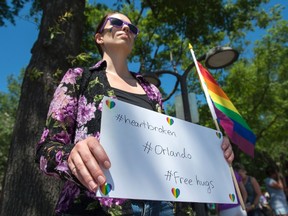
{"x": 99, "y": 38}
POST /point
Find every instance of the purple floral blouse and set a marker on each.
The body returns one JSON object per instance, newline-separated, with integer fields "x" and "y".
{"x": 74, "y": 115}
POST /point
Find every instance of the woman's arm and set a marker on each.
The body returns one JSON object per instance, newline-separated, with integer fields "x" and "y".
{"x": 57, "y": 139}
{"x": 243, "y": 191}
{"x": 257, "y": 190}
{"x": 277, "y": 184}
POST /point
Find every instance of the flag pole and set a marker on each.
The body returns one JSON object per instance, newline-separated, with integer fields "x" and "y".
{"x": 205, "y": 89}
{"x": 212, "y": 110}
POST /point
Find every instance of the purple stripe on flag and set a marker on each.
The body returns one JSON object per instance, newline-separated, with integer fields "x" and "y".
{"x": 228, "y": 126}
{"x": 243, "y": 144}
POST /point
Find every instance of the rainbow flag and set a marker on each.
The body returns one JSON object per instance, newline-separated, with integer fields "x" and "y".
{"x": 228, "y": 117}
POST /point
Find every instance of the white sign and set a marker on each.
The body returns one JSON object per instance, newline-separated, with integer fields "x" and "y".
{"x": 158, "y": 157}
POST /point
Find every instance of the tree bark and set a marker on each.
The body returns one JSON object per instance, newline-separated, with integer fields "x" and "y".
{"x": 26, "y": 191}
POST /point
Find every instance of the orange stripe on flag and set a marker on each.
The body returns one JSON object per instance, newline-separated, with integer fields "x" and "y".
{"x": 216, "y": 89}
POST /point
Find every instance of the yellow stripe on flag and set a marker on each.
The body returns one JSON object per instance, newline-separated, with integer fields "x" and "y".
{"x": 222, "y": 101}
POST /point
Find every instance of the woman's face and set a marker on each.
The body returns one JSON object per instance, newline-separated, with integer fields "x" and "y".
{"x": 242, "y": 173}
{"x": 118, "y": 34}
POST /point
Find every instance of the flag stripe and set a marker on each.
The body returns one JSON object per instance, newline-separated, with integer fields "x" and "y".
{"x": 238, "y": 139}
{"x": 234, "y": 116}
{"x": 246, "y": 133}
{"x": 243, "y": 144}
{"x": 215, "y": 89}
{"x": 207, "y": 75}
{"x": 237, "y": 128}
{"x": 228, "y": 116}
{"x": 223, "y": 102}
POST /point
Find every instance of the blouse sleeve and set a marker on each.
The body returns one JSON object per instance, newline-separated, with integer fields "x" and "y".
{"x": 57, "y": 139}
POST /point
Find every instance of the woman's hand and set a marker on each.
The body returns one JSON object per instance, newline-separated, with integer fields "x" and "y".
{"x": 85, "y": 162}
{"x": 227, "y": 150}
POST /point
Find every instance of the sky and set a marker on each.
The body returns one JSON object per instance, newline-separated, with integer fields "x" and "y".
{"x": 16, "y": 42}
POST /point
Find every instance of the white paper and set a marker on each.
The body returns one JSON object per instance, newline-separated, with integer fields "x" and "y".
{"x": 158, "y": 157}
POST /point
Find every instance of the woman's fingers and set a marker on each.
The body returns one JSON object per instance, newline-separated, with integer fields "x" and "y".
{"x": 227, "y": 149}
{"x": 85, "y": 160}
{"x": 82, "y": 173}
{"x": 98, "y": 152}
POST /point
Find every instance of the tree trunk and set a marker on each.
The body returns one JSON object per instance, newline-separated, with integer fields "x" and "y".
{"x": 26, "y": 191}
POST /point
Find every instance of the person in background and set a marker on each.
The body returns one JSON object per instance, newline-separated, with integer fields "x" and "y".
{"x": 285, "y": 178}
{"x": 274, "y": 187}
{"x": 70, "y": 144}
{"x": 264, "y": 204}
{"x": 253, "y": 191}
{"x": 234, "y": 209}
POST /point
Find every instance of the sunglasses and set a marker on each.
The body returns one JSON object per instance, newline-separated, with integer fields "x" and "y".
{"x": 119, "y": 23}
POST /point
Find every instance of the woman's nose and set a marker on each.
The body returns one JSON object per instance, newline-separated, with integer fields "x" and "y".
{"x": 125, "y": 28}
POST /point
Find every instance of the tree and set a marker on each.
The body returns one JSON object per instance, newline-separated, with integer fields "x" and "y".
{"x": 9, "y": 11}
{"x": 8, "y": 108}
{"x": 259, "y": 88}
{"x": 26, "y": 191}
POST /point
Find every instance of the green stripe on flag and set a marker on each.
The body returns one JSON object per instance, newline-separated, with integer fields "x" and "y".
{"x": 232, "y": 115}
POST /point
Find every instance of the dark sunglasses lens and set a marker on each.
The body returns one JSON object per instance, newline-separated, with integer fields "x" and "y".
{"x": 116, "y": 22}
{"x": 119, "y": 23}
{"x": 133, "y": 29}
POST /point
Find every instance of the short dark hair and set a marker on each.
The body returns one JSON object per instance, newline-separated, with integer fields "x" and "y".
{"x": 270, "y": 170}
{"x": 238, "y": 166}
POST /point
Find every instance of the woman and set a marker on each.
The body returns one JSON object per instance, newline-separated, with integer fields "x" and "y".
{"x": 253, "y": 191}
{"x": 274, "y": 187}
{"x": 234, "y": 209}
{"x": 70, "y": 146}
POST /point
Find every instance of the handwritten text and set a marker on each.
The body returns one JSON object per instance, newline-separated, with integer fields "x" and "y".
{"x": 144, "y": 124}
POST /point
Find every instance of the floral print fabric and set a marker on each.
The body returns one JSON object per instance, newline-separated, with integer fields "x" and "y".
{"x": 73, "y": 116}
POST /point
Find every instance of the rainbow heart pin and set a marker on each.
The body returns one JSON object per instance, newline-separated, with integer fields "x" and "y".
{"x": 218, "y": 134}
{"x": 106, "y": 188}
{"x": 110, "y": 104}
{"x": 175, "y": 192}
{"x": 232, "y": 197}
{"x": 170, "y": 121}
